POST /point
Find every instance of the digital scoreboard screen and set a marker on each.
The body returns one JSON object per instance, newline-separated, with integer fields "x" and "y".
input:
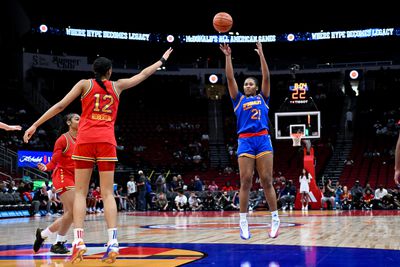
{"x": 298, "y": 93}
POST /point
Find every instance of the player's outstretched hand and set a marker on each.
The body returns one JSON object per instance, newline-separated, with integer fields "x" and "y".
{"x": 167, "y": 53}
{"x": 28, "y": 133}
{"x": 225, "y": 49}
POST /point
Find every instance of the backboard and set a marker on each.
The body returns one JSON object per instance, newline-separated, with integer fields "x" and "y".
{"x": 306, "y": 122}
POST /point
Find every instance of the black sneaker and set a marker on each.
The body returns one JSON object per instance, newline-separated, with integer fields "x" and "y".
{"x": 39, "y": 240}
{"x": 59, "y": 248}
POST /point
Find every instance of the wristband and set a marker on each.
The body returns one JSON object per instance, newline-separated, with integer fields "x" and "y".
{"x": 163, "y": 60}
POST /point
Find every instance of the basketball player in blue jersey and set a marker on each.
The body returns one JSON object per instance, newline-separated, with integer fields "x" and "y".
{"x": 254, "y": 142}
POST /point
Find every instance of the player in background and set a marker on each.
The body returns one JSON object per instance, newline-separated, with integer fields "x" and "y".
{"x": 254, "y": 142}
{"x": 96, "y": 143}
{"x": 63, "y": 178}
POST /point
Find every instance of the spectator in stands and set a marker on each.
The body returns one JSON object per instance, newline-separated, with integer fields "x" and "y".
{"x": 96, "y": 143}
{"x": 91, "y": 201}
{"x": 227, "y": 187}
{"x": 181, "y": 201}
{"x": 367, "y": 199}
{"x": 198, "y": 184}
{"x": 10, "y": 127}
{"x": 161, "y": 185}
{"x": 181, "y": 183}
{"x": 256, "y": 198}
{"x": 209, "y": 201}
{"x": 304, "y": 180}
{"x": 254, "y": 143}
{"x": 224, "y": 201}
{"x": 173, "y": 185}
{"x": 357, "y": 193}
{"x": 99, "y": 200}
{"x": 141, "y": 187}
{"x": 346, "y": 199}
{"x": 120, "y": 197}
{"x": 150, "y": 195}
{"x": 388, "y": 202}
{"x": 161, "y": 203}
{"x": 213, "y": 186}
{"x": 380, "y": 192}
{"x": 132, "y": 192}
{"x": 287, "y": 195}
{"x": 55, "y": 202}
{"x": 328, "y": 195}
{"x": 368, "y": 186}
{"x": 26, "y": 177}
{"x": 41, "y": 200}
{"x": 338, "y": 195}
{"x": 195, "y": 202}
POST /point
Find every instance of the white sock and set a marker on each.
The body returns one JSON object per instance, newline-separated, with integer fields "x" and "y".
{"x": 78, "y": 235}
{"x": 243, "y": 217}
{"x": 46, "y": 233}
{"x": 112, "y": 235}
{"x": 274, "y": 215}
{"x": 60, "y": 238}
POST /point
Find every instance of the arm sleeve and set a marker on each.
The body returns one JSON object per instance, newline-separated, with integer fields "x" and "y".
{"x": 59, "y": 147}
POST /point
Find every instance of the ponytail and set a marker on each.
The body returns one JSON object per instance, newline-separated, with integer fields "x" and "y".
{"x": 100, "y": 82}
{"x": 100, "y": 67}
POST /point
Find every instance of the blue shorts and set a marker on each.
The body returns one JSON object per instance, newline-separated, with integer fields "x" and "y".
{"x": 254, "y": 147}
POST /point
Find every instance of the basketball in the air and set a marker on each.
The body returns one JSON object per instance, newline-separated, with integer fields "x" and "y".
{"x": 222, "y": 22}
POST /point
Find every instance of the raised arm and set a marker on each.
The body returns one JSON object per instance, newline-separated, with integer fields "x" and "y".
{"x": 123, "y": 84}
{"x": 265, "y": 83}
{"x": 230, "y": 76}
{"x": 76, "y": 91}
{"x": 397, "y": 162}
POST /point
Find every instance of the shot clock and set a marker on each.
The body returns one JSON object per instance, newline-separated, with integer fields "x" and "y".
{"x": 298, "y": 93}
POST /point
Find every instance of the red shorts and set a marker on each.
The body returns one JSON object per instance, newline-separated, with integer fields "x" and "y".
{"x": 63, "y": 180}
{"x": 104, "y": 154}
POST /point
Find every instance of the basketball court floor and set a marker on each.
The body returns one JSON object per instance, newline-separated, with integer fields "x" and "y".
{"x": 313, "y": 238}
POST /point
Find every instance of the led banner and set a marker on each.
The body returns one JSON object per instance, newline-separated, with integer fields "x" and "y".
{"x": 232, "y": 37}
{"x": 32, "y": 158}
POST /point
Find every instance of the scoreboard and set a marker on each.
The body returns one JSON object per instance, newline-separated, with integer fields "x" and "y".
{"x": 298, "y": 93}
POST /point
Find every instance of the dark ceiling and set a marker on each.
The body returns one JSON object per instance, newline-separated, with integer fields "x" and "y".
{"x": 196, "y": 16}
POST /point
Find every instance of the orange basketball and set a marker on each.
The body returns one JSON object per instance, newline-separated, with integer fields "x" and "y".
{"x": 222, "y": 22}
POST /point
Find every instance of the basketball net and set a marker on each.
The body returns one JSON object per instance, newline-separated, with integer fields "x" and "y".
{"x": 296, "y": 137}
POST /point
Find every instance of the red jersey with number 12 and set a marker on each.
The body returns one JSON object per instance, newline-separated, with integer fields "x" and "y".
{"x": 99, "y": 112}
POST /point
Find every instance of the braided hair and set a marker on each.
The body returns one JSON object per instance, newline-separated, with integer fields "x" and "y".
{"x": 100, "y": 67}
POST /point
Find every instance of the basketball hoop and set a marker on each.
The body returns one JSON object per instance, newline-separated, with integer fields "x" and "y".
{"x": 296, "y": 137}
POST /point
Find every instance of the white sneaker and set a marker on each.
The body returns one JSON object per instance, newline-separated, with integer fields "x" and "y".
{"x": 37, "y": 215}
{"x": 274, "y": 232}
{"x": 291, "y": 207}
{"x": 244, "y": 230}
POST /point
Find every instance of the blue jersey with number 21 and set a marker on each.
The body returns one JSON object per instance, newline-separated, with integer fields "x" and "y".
{"x": 251, "y": 113}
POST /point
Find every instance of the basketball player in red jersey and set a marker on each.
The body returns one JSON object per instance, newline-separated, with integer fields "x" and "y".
{"x": 96, "y": 144}
{"x": 397, "y": 162}
{"x": 63, "y": 178}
